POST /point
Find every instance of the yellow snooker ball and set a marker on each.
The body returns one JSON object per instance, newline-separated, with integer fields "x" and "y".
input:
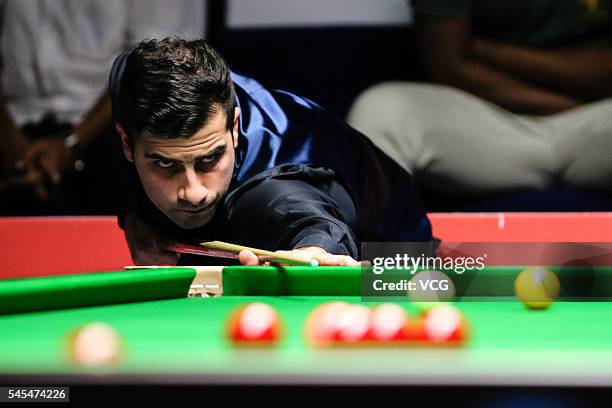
{"x": 537, "y": 287}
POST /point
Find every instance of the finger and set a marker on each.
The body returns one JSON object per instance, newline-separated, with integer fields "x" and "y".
{"x": 248, "y": 258}
{"x": 306, "y": 255}
{"x": 337, "y": 260}
{"x": 49, "y": 167}
{"x": 331, "y": 262}
{"x": 348, "y": 261}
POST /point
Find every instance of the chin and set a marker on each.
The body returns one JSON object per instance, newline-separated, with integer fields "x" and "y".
{"x": 190, "y": 223}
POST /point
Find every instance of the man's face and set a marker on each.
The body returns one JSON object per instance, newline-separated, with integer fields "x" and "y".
{"x": 187, "y": 178}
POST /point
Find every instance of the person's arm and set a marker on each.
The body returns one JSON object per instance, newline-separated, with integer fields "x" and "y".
{"x": 585, "y": 73}
{"x": 445, "y": 49}
{"x": 289, "y": 216}
{"x": 308, "y": 218}
{"x": 52, "y": 155}
{"x": 323, "y": 257}
{"x": 96, "y": 123}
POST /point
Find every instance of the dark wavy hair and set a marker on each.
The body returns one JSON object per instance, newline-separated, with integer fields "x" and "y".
{"x": 170, "y": 87}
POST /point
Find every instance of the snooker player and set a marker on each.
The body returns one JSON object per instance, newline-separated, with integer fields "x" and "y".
{"x": 213, "y": 155}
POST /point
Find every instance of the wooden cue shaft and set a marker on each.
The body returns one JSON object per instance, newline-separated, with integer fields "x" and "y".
{"x": 268, "y": 255}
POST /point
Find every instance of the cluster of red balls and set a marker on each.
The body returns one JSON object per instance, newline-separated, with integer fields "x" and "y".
{"x": 341, "y": 323}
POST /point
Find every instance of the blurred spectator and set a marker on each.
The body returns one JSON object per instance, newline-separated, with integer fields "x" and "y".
{"x": 55, "y": 113}
{"x": 521, "y": 97}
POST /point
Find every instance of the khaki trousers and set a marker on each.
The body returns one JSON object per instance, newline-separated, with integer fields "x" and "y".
{"x": 454, "y": 142}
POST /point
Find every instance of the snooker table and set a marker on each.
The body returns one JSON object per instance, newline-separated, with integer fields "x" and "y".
{"x": 181, "y": 341}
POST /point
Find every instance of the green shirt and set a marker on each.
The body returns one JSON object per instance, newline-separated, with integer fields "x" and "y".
{"x": 537, "y": 23}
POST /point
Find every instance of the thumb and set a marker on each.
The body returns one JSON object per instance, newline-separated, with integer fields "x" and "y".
{"x": 248, "y": 258}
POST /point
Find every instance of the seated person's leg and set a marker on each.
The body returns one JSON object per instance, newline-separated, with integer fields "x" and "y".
{"x": 452, "y": 141}
{"x": 583, "y": 145}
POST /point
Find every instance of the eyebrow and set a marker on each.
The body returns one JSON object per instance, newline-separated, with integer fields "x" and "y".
{"x": 157, "y": 156}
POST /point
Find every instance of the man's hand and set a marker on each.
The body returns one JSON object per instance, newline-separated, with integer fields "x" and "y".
{"x": 39, "y": 167}
{"x": 18, "y": 175}
{"x": 51, "y": 157}
{"x": 323, "y": 257}
{"x": 28, "y": 180}
{"x": 146, "y": 245}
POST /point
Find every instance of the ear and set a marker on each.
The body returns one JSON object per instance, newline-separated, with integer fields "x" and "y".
{"x": 125, "y": 143}
{"x": 236, "y": 126}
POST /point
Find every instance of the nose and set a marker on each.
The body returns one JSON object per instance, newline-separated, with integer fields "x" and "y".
{"x": 192, "y": 190}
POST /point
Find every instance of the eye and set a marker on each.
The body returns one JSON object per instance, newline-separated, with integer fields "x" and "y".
{"x": 164, "y": 164}
{"x": 209, "y": 159}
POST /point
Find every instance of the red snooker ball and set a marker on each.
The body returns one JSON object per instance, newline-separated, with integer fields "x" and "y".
{"x": 322, "y": 324}
{"x": 255, "y": 323}
{"x": 445, "y": 324}
{"x": 387, "y": 322}
{"x": 353, "y": 324}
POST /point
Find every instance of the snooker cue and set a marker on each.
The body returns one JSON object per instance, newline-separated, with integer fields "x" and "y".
{"x": 266, "y": 255}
